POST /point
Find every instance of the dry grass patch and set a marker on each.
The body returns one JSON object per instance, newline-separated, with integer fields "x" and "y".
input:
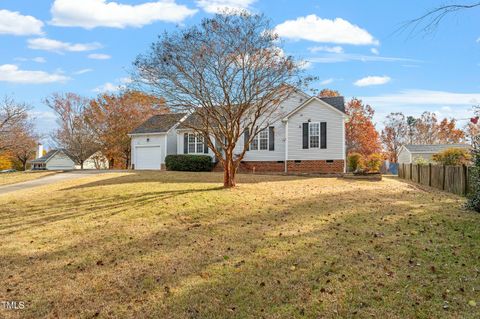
{"x": 177, "y": 245}
{"x": 17, "y": 177}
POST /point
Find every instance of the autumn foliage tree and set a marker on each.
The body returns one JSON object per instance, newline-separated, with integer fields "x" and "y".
{"x": 427, "y": 129}
{"x": 394, "y": 135}
{"x": 13, "y": 117}
{"x": 360, "y": 133}
{"x": 113, "y": 116}
{"x": 328, "y": 93}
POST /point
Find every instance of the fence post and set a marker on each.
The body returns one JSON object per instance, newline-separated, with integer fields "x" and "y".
{"x": 465, "y": 179}
{"x": 411, "y": 172}
{"x": 418, "y": 173}
{"x": 444, "y": 176}
{"x": 430, "y": 174}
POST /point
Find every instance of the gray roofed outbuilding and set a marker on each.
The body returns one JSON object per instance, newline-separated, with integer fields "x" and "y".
{"x": 160, "y": 123}
{"x": 434, "y": 148}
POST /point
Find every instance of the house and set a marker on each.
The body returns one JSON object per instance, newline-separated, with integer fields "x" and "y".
{"x": 53, "y": 160}
{"x": 95, "y": 161}
{"x": 308, "y": 135}
{"x": 412, "y": 153}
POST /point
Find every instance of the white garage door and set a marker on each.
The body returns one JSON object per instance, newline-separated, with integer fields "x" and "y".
{"x": 148, "y": 157}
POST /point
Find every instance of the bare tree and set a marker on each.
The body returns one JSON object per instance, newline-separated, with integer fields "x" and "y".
{"x": 230, "y": 73}
{"x": 13, "y": 116}
{"x": 26, "y": 142}
{"x": 73, "y": 134}
{"x": 429, "y": 21}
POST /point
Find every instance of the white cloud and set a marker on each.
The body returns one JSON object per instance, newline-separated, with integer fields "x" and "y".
{"x": 346, "y": 57}
{"x": 478, "y": 40}
{"x": 107, "y": 88}
{"x": 15, "y": 23}
{"x": 37, "y": 59}
{"x": 11, "y": 73}
{"x": 425, "y": 97}
{"x": 214, "y": 6}
{"x": 372, "y": 80}
{"x": 326, "y": 81}
{"x": 314, "y": 28}
{"x": 375, "y": 51}
{"x": 335, "y": 49}
{"x": 305, "y": 65}
{"x": 99, "y": 56}
{"x": 90, "y": 14}
{"x": 83, "y": 71}
{"x": 60, "y": 47}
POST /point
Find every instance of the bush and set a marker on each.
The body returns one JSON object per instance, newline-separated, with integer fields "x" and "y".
{"x": 474, "y": 195}
{"x": 354, "y": 161}
{"x": 453, "y": 156}
{"x": 373, "y": 163}
{"x": 421, "y": 161}
{"x": 189, "y": 163}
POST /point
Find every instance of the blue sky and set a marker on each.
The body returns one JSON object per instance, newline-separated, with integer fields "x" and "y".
{"x": 88, "y": 46}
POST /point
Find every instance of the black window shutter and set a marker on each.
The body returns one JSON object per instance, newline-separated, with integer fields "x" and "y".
{"x": 205, "y": 146}
{"x": 305, "y": 135}
{"x": 271, "y": 138}
{"x": 323, "y": 135}
{"x": 246, "y": 137}
{"x": 185, "y": 143}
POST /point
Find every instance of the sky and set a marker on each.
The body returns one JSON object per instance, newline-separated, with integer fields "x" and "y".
{"x": 355, "y": 47}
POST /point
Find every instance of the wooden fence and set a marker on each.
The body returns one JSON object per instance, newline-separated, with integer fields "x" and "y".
{"x": 452, "y": 179}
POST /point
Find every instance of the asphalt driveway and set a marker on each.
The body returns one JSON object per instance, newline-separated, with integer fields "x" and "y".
{"x": 48, "y": 180}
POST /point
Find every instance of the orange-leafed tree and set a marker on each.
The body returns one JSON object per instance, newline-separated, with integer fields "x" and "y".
{"x": 328, "y": 93}
{"x": 6, "y": 160}
{"x": 394, "y": 135}
{"x": 448, "y": 133}
{"x": 428, "y": 129}
{"x": 360, "y": 133}
{"x": 113, "y": 116}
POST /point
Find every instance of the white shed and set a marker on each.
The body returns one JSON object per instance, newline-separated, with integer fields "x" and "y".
{"x": 411, "y": 153}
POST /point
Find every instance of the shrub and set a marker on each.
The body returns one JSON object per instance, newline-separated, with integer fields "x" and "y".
{"x": 354, "y": 161}
{"x": 453, "y": 156}
{"x": 421, "y": 161}
{"x": 189, "y": 163}
{"x": 373, "y": 163}
{"x": 474, "y": 195}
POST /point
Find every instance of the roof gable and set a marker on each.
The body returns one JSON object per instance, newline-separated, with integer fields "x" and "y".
{"x": 160, "y": 123}
{"x": 338, "y": 104}
{"x": 432, "y": 148}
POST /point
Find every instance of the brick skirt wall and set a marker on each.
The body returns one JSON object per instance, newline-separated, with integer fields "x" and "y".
{"x": 306, "y": 166}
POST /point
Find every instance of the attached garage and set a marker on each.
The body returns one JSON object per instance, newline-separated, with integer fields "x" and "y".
{"x": 148, "y": 157}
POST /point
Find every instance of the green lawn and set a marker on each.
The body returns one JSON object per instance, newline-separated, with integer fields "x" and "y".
{"x": 177, "y": 245}
{"x": 17, "y": 177}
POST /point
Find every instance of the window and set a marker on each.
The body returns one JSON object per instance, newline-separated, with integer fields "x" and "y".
{"x": 314, "y": 133}
{"x": 260, "y": 142}
{"x": 195, "y": 143}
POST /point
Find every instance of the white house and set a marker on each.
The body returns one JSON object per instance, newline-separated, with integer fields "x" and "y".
{"x": 53, "y": 160}
{"x": 412, "y": 153}
{"x": 308, "y": 135}
{"x": 95, "y": 161}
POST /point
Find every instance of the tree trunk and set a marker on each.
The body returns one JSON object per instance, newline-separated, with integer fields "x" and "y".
{"x": 24, "y": 166}
{"x": 81, "y": 165}
{"x": 229, "y": 171}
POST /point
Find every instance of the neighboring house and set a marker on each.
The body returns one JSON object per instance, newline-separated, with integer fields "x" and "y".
{"x": 53, "y": 160}
{"x": 308, "y": 135}
{"x": 412, "y": 153}
{"x": 95, "y": 161}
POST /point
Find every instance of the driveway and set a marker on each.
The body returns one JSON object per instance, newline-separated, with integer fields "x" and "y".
{"x": 65, "y": 176}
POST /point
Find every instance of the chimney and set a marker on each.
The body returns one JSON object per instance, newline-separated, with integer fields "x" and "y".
{"x": 40, "y": 150}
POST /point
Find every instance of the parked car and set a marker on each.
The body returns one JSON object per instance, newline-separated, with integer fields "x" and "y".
{"x": 8, "y": 171}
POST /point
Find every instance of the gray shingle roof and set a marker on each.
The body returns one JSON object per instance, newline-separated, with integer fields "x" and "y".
{"x": 51, "y": 154}
{"x": 159, "y": 123}
{"x": 433, "y": 148}
{"x": 337, "y": 102}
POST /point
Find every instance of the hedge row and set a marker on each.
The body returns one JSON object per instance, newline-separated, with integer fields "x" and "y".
{"x": 189, "y": 163}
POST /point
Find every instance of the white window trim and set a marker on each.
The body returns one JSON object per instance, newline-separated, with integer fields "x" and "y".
{"x": 196, "y": 144}
{"x": 257, "y": 137}
{"x": 319, "y": 135}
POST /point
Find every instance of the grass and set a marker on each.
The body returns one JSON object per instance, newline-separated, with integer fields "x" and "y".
{"x": 177, "y": 245}
{"x": 17, "y": 177}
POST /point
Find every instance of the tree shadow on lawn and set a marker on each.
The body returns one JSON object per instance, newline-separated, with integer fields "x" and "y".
{"x": 187, "y": 177}
{"x": 315, "y": 257}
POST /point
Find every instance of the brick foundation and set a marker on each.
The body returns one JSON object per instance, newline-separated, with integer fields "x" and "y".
{"x": 304, "y": 166}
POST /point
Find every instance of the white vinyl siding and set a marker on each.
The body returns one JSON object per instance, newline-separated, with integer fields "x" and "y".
{"x": 316, "y": 111}
{"x": 60, "y": 161}
{"x": 404, "y": 156}
{"x": 149, "y": 140}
